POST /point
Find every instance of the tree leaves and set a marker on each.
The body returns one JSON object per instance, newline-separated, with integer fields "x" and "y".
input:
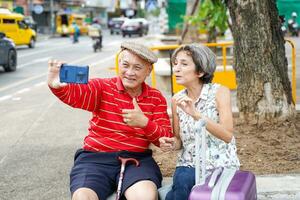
{"x": 211, "y": 16}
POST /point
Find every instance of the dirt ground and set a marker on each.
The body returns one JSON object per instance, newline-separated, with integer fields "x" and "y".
{"x": 267, "y": 150}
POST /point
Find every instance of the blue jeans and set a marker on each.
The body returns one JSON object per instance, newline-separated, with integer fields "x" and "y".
{"x": 183, "y": 181}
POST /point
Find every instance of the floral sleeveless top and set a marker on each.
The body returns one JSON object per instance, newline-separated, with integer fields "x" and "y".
{"x": 218, "y": 153}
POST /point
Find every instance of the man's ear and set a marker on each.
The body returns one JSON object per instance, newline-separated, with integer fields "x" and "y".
{"x": 150, "y": 67}
{"x": 120, "y": 56}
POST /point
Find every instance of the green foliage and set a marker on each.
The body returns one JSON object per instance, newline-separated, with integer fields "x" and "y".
{"x": 211, "y": 16}
{"x": 141, "y": 13}
{"x": 155, "y": 12}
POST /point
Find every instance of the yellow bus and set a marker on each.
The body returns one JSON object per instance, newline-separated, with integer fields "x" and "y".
{"x": 64, "y": 23}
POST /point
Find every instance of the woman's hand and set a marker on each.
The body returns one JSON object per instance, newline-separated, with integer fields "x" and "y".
{"x": 167, "y": 144}
{"x": 53, "y": 74}
{"x": 187, "y": 105}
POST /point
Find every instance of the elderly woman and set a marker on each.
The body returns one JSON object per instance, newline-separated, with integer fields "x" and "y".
{"x": 194, "y": 66}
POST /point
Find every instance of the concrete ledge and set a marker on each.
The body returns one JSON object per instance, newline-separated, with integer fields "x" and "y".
{"x": 273, "y": 186}
{"x": 162, "y": 67}
{"x": 278, "y": 183}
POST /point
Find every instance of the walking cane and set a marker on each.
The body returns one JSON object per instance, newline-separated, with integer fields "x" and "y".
{"x": 123, "y": 165}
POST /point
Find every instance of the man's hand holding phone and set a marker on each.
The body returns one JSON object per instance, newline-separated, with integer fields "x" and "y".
{"x": 53, "y": 74}
{"x": 60, "y": 74}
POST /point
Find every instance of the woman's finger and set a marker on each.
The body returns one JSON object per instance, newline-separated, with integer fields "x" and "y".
{"x": 178, "y": 98}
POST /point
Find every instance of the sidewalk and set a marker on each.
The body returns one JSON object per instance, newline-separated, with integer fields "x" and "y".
{"x": 269, "y": 187}
{"x": 275, "y": 186}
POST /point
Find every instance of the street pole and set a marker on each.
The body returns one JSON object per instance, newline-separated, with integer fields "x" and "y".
{"x": 51, "y": 18}
{"x": 30, "y": 8}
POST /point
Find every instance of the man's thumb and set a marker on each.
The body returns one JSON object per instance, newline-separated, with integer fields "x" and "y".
{"x": 135, "y": 104}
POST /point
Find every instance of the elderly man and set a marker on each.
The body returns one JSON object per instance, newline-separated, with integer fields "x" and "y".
{"x": 127, "y": 115}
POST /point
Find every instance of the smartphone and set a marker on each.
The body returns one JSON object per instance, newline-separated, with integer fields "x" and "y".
{"x": 74, "y": 74}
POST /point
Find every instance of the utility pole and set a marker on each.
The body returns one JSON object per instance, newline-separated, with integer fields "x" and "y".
{"x": 30, "y": 8}
{"x": 52, "y": 17}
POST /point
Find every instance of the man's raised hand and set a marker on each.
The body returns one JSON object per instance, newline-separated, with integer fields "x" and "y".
{"x": 135, "y": 117}
{"x": 53, "y": 74}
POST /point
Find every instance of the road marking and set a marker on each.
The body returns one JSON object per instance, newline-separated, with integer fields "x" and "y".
{"x": 50, "y": 49}
{"x": 47, "y": 58}
{"x": 2, "y": 159}
{"x": 23, "y": 90}
{"x": 42, "y": 59}
{"x": 102, "y": 61}
{"x": 44, "y": 74}
{"x": 82, "y": 59}
{"x": 21, "y": 82}
{"x": 39, "y": 84}
{"x": 94, "y": 64}
{"x": 16, "y": 98}
{"x": 5, "y": 97}
{"x": 34, "y": 61}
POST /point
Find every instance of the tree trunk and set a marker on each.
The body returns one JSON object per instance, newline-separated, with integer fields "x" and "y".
{"x": 212, "y": 36}
{"x": 264, "y": 89}
{"x": 189, "y": 34}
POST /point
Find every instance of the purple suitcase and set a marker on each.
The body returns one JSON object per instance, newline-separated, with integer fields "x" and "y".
{"x": 222, "y": 184}
{"x": 241, "y": 187}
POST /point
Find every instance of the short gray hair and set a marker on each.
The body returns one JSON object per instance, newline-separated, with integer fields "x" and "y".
{"x": 203, "y": 57}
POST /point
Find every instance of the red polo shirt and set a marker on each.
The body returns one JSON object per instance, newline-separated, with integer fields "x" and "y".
{"x": 106, "y": 98}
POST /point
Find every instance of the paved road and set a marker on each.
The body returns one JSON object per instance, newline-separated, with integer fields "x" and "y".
{"x": 39, "y": 134}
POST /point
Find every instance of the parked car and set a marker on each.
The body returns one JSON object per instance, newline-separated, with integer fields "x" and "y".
{"x": 137, "y": 26}
{"x": 8, "y": 53}
{"x": 145, "y": 23}
{"x": 114, "y": 24}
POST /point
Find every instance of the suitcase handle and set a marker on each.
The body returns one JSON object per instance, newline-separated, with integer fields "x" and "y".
{"x": 219, "y": 189}
{"x": 214, "y": 176}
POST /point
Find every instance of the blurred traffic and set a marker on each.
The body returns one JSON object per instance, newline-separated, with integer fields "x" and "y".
{"x": 8, "y": 53}
{"x": 114, "y": 24}
{"x": 16, "y": 28}
{"x": 19, "y": 27}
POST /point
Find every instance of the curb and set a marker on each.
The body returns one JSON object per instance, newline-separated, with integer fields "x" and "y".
{"x": 272, "y": 186}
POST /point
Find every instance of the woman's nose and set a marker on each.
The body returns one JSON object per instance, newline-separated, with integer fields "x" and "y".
{"x": 175, "y": 68}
